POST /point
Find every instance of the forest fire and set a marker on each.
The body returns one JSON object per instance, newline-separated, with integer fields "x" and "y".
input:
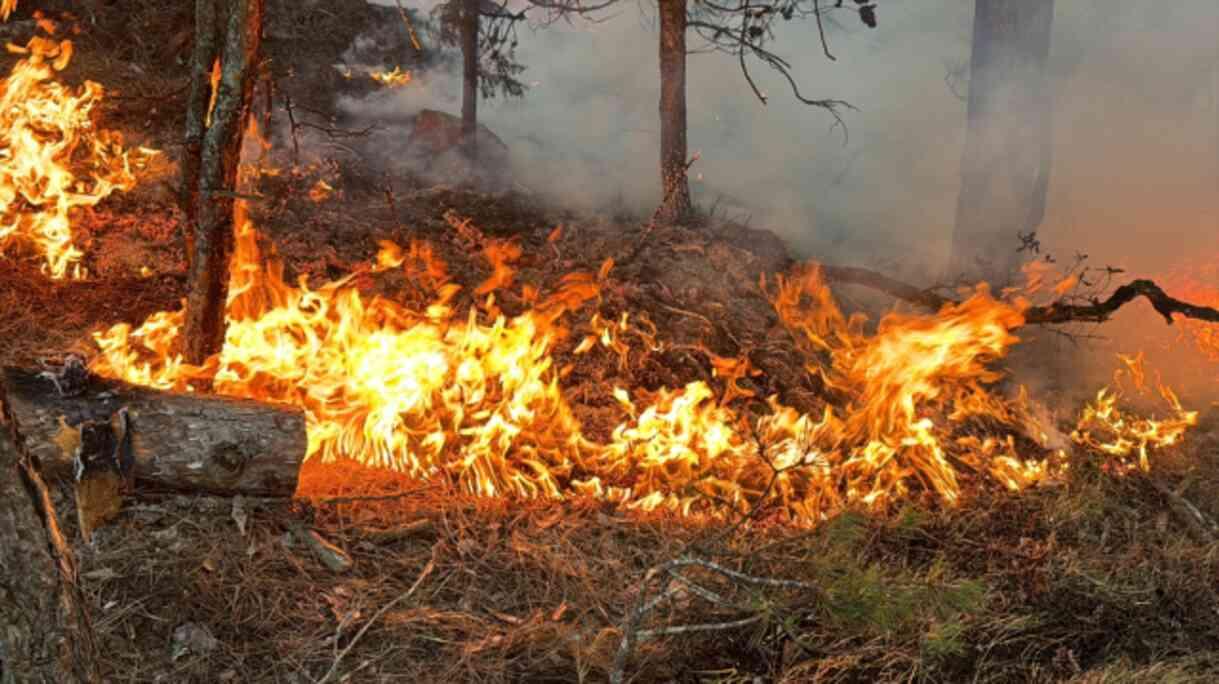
{"x": 476, "y": 398}
{"x": 49, "y": 137}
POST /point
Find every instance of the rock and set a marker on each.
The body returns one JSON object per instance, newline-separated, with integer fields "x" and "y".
{"x": 192, "y": 638}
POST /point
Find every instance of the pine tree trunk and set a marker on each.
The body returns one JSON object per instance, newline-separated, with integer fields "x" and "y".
{"x": 469, "y": 84}
{"x": 204, "y": 55}
{"x": 208, "y": 277}
{"x": 1006, "y": 166}
{"x": 675, "y": 204}
{"x": 45, "y": 634}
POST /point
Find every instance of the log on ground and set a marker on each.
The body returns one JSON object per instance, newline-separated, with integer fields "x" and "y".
{"x": 178, "y": 441}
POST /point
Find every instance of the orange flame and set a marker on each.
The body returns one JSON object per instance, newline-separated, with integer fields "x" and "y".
{"x": 53, "y": 159}
{"x": 474, "y": 398}
{"x": 1105, "y": 428}
{"x": 393, "y": 79}
{"x": 432, "y": 394}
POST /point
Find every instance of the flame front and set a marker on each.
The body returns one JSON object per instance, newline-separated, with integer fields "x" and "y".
{"x": 476, "y": 399}
{"x": 53, "y": 159}
{"x": 472, "y": 395}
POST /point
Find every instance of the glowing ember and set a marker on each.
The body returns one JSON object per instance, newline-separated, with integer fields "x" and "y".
{"x": 393, "y": 79}
{"x": 321, "y": 191}
{"x": 52, "y": 157}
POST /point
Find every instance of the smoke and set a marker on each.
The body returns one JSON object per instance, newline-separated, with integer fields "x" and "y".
{"x": 1135, "y": 177}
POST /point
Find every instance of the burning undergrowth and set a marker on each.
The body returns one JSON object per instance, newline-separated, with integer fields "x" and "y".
{"x": 470, "y": 395}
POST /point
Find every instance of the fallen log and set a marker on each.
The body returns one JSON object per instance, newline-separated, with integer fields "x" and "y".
{"x": 176, "y": 441}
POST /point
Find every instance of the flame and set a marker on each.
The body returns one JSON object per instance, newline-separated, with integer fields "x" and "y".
{"x": 475, "y": 398}
{"x": 393, "y": 79}
{"x": 426, "y": 386}
{"x": 7, "y": 7}
{"x": 53, "y": 159}
{"x": 1106, "y": 428}
{"x": 1199, "y": 283}
{"x": 214, "y": 81}
{"x": 321, "y": 191}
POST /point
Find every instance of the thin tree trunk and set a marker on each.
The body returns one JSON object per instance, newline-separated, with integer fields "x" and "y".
{"x": 469, "y": 84}
{"x": 45, "y": 634}
{"x": 675, "y": 204}
{"x": 207, "y": 41}
{"x": 1005, "y": 170}
{"x": 208, "y": 278}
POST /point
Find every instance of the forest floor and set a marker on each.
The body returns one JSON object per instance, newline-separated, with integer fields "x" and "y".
{"x": 1094, "y": 579}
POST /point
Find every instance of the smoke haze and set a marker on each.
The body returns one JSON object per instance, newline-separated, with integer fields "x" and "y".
{"x": 1135, "y": 174}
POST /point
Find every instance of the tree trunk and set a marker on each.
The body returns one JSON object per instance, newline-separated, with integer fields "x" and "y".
{"x": 469, "y": 83}
{"x": 178, "y": 441}
{"x": 208, "y": 277}
{"x": 675, "y": 204}
{"x": 45, "y": 634}
{"x": 198, "y": 100}
{"x": 1006, "y": 165}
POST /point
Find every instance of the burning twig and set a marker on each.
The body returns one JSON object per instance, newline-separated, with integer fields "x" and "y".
{"x": 410, "y": 29}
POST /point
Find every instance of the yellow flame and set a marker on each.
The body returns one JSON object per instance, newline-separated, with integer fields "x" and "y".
{"x": 1106, "y": 428}
{"x": 53, "y": 159}
{"x": 393, "y": 79}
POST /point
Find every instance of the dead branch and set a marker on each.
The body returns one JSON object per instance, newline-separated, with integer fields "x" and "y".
{"x": 1058, "y": 312}
{"x": 427, "y": 570}
{"x": 1200, "y": 525}
{"x": 632, "y": 635}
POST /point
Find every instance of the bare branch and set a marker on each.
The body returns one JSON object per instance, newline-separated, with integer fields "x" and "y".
{"x": 1057, "y": 312}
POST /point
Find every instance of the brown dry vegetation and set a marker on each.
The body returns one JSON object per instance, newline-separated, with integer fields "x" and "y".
{"x": 1095, "y": 580}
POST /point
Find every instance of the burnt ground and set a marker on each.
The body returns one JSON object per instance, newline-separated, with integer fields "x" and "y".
{"x": 1098, "y": 579}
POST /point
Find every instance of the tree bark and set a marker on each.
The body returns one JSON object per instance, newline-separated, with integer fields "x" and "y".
{"x": 1005, "y": 170}
{"x": 208, "y": 277}
{"x": 469, "y": 83}
{"x": 207, "y": 37}
{"x": 675, "y": 206}
{"x": 45, "y": 634}
{"x": 178, "y": 441}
